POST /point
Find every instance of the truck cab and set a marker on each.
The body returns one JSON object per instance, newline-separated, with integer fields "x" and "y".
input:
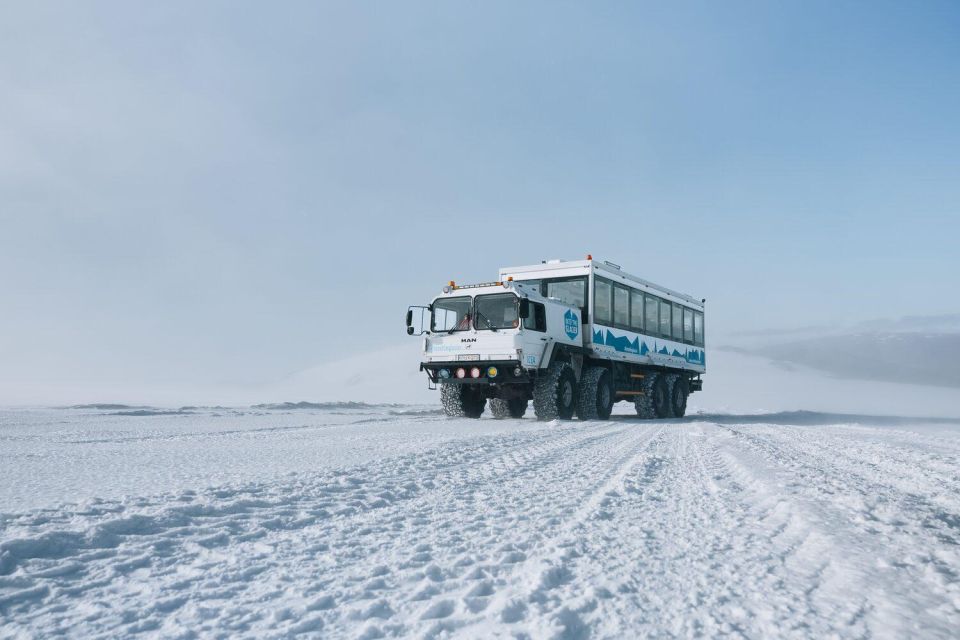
{"x": 492, "y": 338}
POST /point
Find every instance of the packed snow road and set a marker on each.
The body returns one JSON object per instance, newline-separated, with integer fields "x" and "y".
{"x": 787, "y": 525}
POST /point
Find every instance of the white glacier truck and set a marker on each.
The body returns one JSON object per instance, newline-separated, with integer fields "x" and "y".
{"x": 573, "y": 336}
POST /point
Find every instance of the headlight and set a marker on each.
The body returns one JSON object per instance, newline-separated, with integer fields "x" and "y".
{"x": 492, "y": 372}
{"x": 444, "y": 373}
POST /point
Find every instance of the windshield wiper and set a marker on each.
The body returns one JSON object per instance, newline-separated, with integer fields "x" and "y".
{"x": 456, "y": 325}
{"x": 480, "y": 315}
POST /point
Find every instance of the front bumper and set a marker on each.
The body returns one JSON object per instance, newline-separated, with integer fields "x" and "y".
{"x": 506, "y": 372}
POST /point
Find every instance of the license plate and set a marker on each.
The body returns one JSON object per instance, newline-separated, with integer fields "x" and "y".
{"x": 472, "y": 356}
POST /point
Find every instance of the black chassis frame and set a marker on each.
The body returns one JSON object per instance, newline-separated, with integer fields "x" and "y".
{"x": 623, "y": 380}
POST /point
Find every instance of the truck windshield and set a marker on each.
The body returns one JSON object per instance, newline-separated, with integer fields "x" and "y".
{"x": 451, "y": 314}
{"x": 497, "y": 311}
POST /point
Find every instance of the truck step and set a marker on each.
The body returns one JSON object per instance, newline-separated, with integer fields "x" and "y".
{"x": 630, "y": 393}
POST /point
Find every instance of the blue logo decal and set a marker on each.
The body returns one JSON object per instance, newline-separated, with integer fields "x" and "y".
{"x": 571, "y": 324}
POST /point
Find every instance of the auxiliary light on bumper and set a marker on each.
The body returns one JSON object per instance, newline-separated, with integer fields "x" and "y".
{"x": 496, "y": 372}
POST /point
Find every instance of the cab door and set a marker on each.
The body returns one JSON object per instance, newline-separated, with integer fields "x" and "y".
{"x": 535, "y": 337}
{"x": 547, "y": 326}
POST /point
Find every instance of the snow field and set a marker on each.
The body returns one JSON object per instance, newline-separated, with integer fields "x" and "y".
{"x": 524, "y": 529}
{"x": 53, "y": 456}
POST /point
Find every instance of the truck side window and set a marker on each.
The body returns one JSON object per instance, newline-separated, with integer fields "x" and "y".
{"x": 636, "y": 310}
{"x": 602, "y": 311}
{"x": 652, "y": 315}
{"x": 665, "y": 318}
{"x": 536, "y": 285}
{"x": 698, "y": 328}
{"x": 687, "y": 325}
{"x": 569, "y": 291}
{"x": 677, "y": 322}
{"x": 538, "y": 318}
{"x": 621, "y": 306}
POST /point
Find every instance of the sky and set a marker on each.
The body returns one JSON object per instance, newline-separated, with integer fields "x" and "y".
{"x": 203, "y": 195}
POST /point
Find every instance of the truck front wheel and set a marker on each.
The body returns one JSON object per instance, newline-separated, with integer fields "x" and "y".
{"x": 555, "y": 393}
{"x": 461, "y": 401}
{"x": 514, "y": 408}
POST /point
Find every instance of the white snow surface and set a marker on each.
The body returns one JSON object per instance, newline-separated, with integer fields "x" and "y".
{"x": 348, "y": 521}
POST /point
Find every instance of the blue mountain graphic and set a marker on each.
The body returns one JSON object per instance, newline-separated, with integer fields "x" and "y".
{"x": 623, "y": 343}
{"x": 626, "y": 345}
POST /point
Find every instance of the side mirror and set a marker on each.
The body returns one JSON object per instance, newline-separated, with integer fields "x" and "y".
{"x": 418, "y": 323}
{"x": 524, "y": 308}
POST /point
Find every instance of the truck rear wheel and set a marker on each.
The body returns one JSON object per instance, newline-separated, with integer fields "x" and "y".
{"x": 555, "y": 393}
{"x": 461, "y": 401}
{"x": 596, "y": 395}
{"x": 644, "y": 402}
{"x": 514, "y": 408}
{"x": 678, "y": 397}
{"x": 662, "y": 393}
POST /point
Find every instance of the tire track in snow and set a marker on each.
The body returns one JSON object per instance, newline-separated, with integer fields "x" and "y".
{"x": 511, "y": 523}
{"x": 241, "y": 525}
{"x": 878, "y": 551}
{"x": 533, "y": 585}
{"x": 599, "y": 529}
{"x": 685, "y": 556}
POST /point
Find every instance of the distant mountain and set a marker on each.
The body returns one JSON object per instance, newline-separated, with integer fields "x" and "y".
{"x": 913, "y": 357}
{"x": 943, "y": 323}
{"x": 106, "y": 406}
{"x": 946, "y": 323}
{"x": 740, "y": 383}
